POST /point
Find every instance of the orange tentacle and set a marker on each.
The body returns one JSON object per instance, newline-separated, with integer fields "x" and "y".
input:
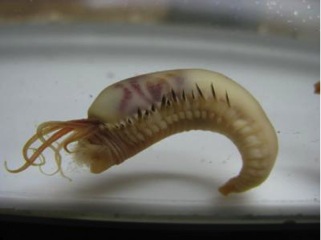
{"x": 80, "y": 129}
{"x": 37, "y": 153}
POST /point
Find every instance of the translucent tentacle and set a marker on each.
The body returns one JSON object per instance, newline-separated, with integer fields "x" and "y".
{"x": 75, "y": 129}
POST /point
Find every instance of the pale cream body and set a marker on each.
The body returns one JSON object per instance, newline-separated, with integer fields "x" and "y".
{"x": 140, "y": 111}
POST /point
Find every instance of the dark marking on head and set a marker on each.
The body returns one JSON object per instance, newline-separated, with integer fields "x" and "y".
{"x": 213, "y": 91}
{"x": 127, "y": 96}
{"x": 155, "y": 90}
{"x": 176, "y": 77}
{"x": 227, "y": 99}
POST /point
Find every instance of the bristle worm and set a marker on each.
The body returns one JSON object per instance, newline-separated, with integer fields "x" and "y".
{"x": 135, "y": 113}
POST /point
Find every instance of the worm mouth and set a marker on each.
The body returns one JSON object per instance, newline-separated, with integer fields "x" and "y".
{"x": 48, "y": 133}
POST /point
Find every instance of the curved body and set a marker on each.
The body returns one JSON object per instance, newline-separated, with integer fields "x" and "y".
{"x": 135, "y": 113}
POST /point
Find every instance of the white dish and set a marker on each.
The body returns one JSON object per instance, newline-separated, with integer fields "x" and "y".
{"x": 55, "y": 72}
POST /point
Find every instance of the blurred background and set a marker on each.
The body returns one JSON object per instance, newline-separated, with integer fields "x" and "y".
{"x": 295, "y": 18}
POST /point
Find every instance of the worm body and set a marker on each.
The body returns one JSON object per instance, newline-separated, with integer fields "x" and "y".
{"x": 135, "y": 113}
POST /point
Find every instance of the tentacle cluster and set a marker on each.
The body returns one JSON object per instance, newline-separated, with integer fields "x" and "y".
{"x": 55, "y": 130}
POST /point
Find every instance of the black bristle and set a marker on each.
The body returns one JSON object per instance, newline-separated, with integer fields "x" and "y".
{"x": 183, "y": 95}
{"x": 199, "y": 91}
{"x": 164, "y": 100}
{"x": 153, "y": 108}
{"x": 213, "y": 91}
{"x": 140, "y": 113}
{"x": 129, "y": 121}
{"x": 174, "y": 96}
{"x": 147, "y": 113}
{"x": 193, "y": 95}
{"x": 227, "y": 99}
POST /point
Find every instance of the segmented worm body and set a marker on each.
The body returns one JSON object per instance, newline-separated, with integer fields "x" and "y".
{"x": 135, "y": 113}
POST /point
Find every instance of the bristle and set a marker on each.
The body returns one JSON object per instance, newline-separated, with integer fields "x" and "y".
{"x": 227, "y": 99}
{"x": 168, "y": 103}
{"x": 129, "y": 121}
{"x": 199, "y": 91}
{"x": 174, "y": 96}
{"x": 164, "y": 101}
{"x": 147, "y": 113}
{"x": 153, "y": 108}
{"x": 213, "y": 91}
{"x": 183, "y": 95}
{"x": 139, "y": 112}
{"x": 193, "y": 95}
